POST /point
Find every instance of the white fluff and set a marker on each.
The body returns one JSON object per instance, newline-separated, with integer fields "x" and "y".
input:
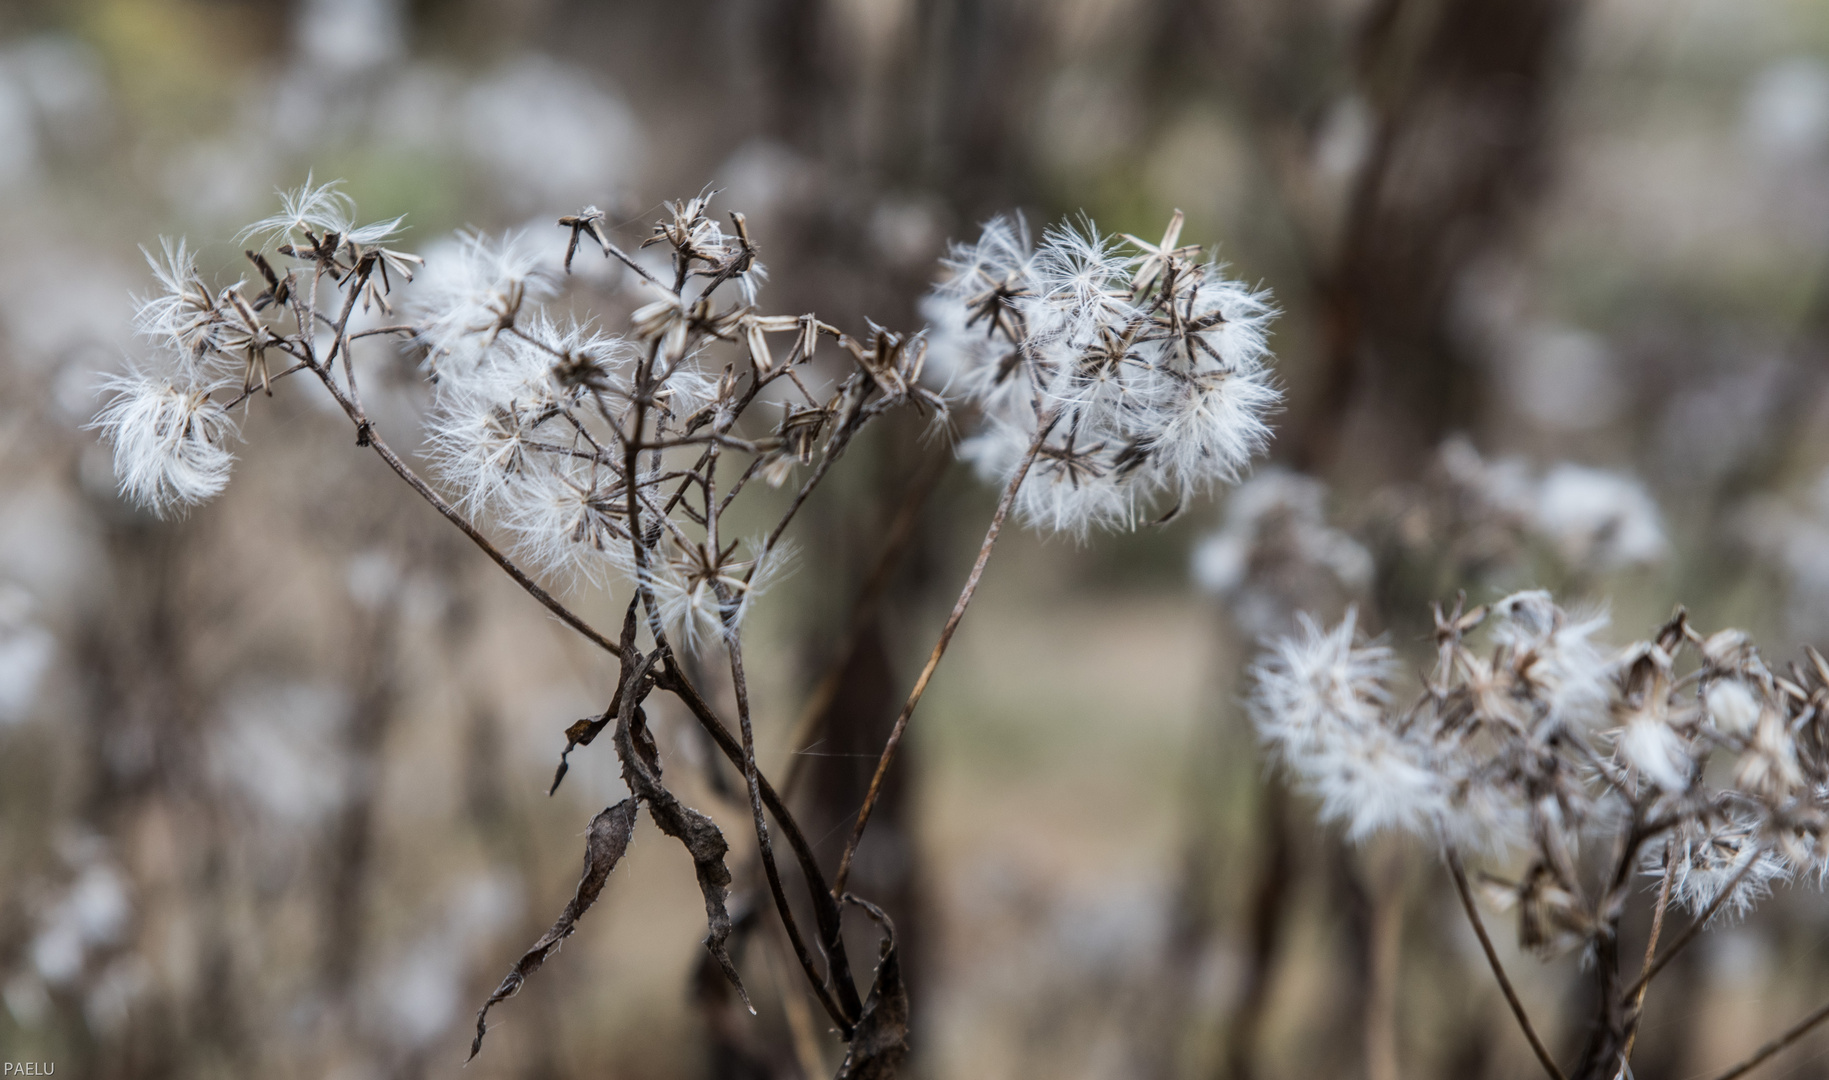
{"x": 1151, "y": 396}
{"x": 168, "y": 440}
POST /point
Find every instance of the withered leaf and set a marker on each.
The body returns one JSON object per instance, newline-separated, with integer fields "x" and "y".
{"x": 881, "y": 1041}
{"x": 698, "y": 833}
{"x": 579, "y": 734}
{"x": 606, "y": 842}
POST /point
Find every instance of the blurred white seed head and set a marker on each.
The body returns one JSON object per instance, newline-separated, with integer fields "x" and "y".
{"x": 1649, "y": 745}
{"x": 1732, "y": 707}
{"x": 1600, "y": 518}
{"x": 1505, "y": 748}
{"x": 1276, "y": 552}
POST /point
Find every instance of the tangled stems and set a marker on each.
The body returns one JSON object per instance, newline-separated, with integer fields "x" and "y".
{"x": 601, "y": 454}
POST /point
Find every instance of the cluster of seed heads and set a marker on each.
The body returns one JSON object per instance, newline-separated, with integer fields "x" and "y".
{"x": 1705, "y": 764}
{"x": 1137, "y": 376}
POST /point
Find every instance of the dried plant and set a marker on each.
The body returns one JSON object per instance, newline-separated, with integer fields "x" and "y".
{"x": 617, "y": 457}
{"x": 1682, "y": 757}
{"x": 1130, "y": 377}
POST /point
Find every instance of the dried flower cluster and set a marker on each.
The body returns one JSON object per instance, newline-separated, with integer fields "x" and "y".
{"x": 1139, "y": 375}
{"x": 619, "y": 455}
{"x": 1683, "y": 757}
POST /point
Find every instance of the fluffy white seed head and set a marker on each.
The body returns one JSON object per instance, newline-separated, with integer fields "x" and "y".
{"x": 1563, "y": 660}
{"x": 169, "y": 440}
{"x": 1151, "y": 388}
{"x": 183, "y": 317}
{"x": 1648, "y": 744}
{"x": 1709, "y": 860}
{"x": 702, "y": 600}
{"x": 565, "y": 515}
{"x": 320, "y": 210}
{"x": 1317, "y": 686}
{"x": 473, "y": 288}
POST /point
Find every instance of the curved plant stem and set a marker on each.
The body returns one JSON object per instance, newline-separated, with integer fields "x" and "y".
{"x": 532, "y": 588}
{"x": 1498, "y": 969}
{"x": 933, "y": 660}
{"x": 1651, "y": 948}
{"x": 1798, "y": 1031}
{"x": 366, "y": 435}
{"x": 863, "y": 610}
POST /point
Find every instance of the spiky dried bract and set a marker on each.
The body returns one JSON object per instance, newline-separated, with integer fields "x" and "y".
{"x": 1542, "y": 743}
{"x": 169, "y": 440}
{"x": 1145, "y": 366}
{"x": 537, "y": 419}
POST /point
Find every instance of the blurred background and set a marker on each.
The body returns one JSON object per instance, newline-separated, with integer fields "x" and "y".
{"x": 273, "y": 777}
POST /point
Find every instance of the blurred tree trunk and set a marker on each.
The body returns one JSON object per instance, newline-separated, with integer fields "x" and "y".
{"x": 1461, "y": 92}
{"x": 146, "y": 743}
{"x": 351, "y": 844}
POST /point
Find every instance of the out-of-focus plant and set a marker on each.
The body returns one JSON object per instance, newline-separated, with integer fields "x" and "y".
{"x": 1683, "y": 757}
{"x": 1117, "y": 379}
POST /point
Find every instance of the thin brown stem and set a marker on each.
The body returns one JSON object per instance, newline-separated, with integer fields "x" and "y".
{"x": 623, "y": 257}
{"x": 340, "y": 343}
{"x": 933, "y": 660}
{"x": 1651, "y": 948}
{"x": 530, "y": 586}
{"x": 1797, "y": 1031}
{"x": 1498, "y": 970}
{"x": 764, "y": 848}
{"x": 251, "y": 391}
{"x": 800, "y": 498}
{"x": 901, "y": 531}
{"x": 374, "y": 330}
{"x": 1693, "y": 931}
{"x": 714, "y": 438}
{"x": 405, "y": 472}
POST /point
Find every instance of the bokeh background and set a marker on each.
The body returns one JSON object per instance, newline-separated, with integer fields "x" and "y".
{"x": 273, "y": 776}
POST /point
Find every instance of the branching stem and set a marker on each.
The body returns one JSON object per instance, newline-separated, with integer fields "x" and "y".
{"x": 1690, "y": 933}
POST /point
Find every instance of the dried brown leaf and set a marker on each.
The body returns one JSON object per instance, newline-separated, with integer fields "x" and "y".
{"x": 606, "y": 842}
{"x": 698, "y": 833}
{"x": 881, "y": 1041}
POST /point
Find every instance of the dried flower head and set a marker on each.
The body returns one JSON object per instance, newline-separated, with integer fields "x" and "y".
{"x": 1138, "y": 377}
